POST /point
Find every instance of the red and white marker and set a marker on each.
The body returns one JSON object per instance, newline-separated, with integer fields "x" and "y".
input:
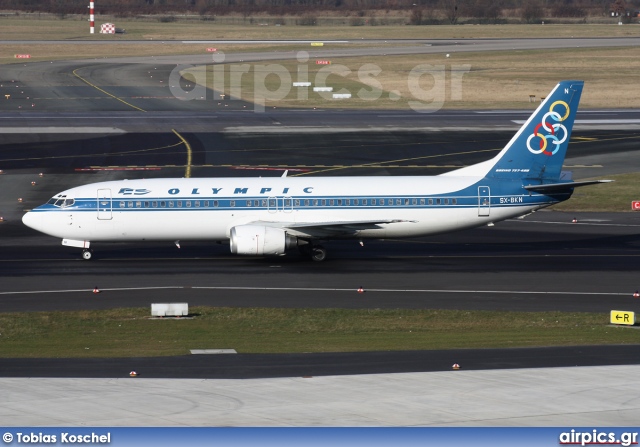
{"x": 92, "y": 22}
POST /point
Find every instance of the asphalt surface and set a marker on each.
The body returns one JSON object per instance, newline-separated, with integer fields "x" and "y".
{"x": 244, "y": 366}
{"x": 78, "y": 134}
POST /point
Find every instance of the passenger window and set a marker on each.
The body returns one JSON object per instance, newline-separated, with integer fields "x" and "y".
{"x": 188, "y": 203}
{"x": 356, "y": 202}
{"x": 130, "y": 204}
{"x": 430, "y": 201}
{"x": 248, "y": 203}
{"x": 215, "y": 203}
{"x": 364, "y": 202}
{"x": 163, "y": 204}
{"x": 421, "y": 201}
{"x": 155, "y": 204}
{"x": 121, "y": 204}
{"x": 170, "y": 203}
{"x": 197, "y": 203}
{"x": 232, "y": 203}
{"x": 454, "y": 201}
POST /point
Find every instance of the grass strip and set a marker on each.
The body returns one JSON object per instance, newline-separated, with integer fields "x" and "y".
{"x": 131, "y": 333}
{"x": 77, "y": 28}
{"x": 484, "y": 80}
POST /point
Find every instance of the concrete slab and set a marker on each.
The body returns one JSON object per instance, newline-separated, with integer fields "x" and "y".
{"x": 576, "y": 396}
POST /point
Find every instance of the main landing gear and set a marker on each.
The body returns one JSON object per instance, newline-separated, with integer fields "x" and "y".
{"x": 87, "y": 254}
{"x": 316, "y": 252}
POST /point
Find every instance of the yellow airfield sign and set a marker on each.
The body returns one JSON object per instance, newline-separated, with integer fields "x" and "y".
{"x": 623, "y": 317}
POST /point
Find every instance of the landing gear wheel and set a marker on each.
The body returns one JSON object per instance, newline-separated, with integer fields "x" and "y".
{"x": 86, "y": 254}
{"x": 318, "y": 253}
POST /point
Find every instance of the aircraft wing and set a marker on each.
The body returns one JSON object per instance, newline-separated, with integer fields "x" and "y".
{"x": 561, "y": 187}
{"x": 326, "y": 229}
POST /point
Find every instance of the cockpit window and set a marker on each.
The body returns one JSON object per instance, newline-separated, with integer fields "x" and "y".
{"x": 61, "y": 201}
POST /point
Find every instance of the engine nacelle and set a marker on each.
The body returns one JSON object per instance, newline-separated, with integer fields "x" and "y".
{"x": 256, "y": 240}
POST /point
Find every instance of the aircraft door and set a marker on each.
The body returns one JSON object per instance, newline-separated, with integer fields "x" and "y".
{"x": 104, "y": 204}
{"x": 484, "y": 201}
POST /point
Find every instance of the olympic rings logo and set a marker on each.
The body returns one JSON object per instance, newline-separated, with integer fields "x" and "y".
{"x": 552, "y": 131}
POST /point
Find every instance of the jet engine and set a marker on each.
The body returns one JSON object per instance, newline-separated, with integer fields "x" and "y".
{"x": 257, "y": 240}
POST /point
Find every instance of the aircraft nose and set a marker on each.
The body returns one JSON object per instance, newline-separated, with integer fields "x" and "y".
{"x": 32, "y": 220}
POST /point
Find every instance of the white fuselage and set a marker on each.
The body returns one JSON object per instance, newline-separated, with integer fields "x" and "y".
{"x": 207, "y": 208}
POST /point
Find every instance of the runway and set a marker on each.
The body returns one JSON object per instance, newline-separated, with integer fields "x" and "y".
{"x": 543, "y": 262}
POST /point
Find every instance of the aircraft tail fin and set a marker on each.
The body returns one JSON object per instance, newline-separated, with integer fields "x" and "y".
{"x": 538, "y": 149}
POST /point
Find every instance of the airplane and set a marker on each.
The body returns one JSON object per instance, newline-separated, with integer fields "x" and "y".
{"x": 269, "y": 216}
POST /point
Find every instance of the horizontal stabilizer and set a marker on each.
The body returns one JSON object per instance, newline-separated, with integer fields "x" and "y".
{"x": 560, "y": 187}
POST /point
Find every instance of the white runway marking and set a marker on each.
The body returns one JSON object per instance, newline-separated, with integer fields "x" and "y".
{"x": 322, "y": 289}
{"x": 28, "y": 130}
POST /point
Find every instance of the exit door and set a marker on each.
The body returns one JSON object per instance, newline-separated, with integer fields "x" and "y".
{"x": 484, "y": 201}
{"x": 105, "y": 207}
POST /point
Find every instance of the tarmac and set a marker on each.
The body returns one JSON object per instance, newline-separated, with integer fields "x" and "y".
{"x": 535, "y": 397}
